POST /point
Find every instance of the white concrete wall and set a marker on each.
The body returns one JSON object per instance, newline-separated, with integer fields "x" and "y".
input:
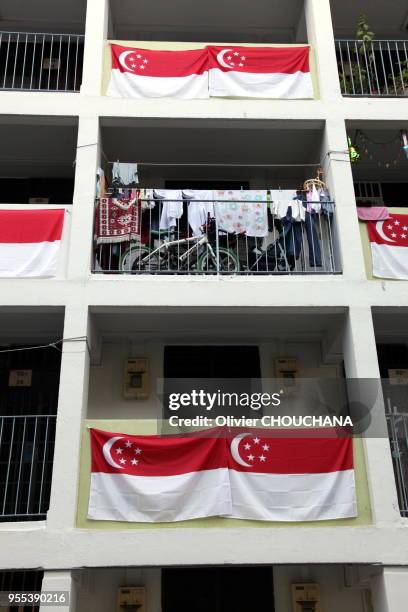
{"x": 334, "y": 596}
{"x": 56, "y": 544}
{"x": 390, "y": 590}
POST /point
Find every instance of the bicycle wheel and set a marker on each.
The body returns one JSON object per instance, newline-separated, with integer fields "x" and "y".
{"x": 228, "y": 261}
{"x": 136, "y": 259}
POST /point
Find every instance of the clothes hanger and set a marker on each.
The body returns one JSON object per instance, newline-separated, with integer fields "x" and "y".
{"x": 317, "y": 182}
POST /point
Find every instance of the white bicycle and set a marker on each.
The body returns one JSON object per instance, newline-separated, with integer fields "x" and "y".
{"x": 198, "y": 254}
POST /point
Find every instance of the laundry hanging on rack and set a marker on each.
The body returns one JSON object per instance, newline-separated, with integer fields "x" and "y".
{"x": 294, "y": 239}
{"x": 282, "y": 194}
{"x": 313, "y": 200}
{"x": 242, "y": 212}
{"x": 200, "y": 208}
{"x": 280, "y": 209}
{"x": 125, "y": 175}
{"x": 171, "y": 206}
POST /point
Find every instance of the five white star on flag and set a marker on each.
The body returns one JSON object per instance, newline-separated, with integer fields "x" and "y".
{"x": 261, "y": 445}
{"x": 129, "y": 447}
{"x": 137, "y": 61}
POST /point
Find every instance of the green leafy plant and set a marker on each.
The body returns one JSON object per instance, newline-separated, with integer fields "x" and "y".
{"x": 364, "y": 33}
{"x": 357, "y": 74}
{"x": 398, "y": 80}
{"x": 354, "y": 79}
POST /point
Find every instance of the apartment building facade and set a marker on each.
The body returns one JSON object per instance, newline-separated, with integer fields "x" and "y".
{"x": 334, "y": 320}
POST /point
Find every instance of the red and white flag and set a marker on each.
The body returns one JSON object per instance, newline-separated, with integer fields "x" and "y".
{"x": 30, "y": 242}
{"x": 248, "y": 476}
{"x": 389, "y": 247}
{"x": 291, "y": 478}
{"x": 259, "y": 72}
{"x": 157, "y": 479}
{"x": 142, "y": 73}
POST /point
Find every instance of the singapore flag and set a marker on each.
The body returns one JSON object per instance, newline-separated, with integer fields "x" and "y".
{"x": 143, "y": 73}
{"x": 389, "y": 247}
{"x": 232, "y": 474}
{"x": 260, "y": 72}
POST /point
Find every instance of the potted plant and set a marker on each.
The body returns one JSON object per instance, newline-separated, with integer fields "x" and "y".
{"x": 399, "y": 82}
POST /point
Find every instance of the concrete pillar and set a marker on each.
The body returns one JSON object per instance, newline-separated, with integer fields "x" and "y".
{"x": 389, "y": 590}
{"x": 72, "y": 403}
{"x": 361, "y": 363}
{"x": 96, "y": 34}
{"x": 338, "y": 175}
{"x": 63, "y": 582}
{"x": 320, "y": 37}
{"x": 87, "y": 162}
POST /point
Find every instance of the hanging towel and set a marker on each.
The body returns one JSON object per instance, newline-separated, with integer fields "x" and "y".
{"x": 375, "y": 213}
{"x": 242, "y": 212}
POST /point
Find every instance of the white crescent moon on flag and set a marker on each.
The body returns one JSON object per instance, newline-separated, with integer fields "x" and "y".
{"x": 380, "y": 231}
{"x": 106, "y": 449}
{"x": 122, "y": 58}
{"x": 221, "y": 60}
{"x": 234, "y": 449}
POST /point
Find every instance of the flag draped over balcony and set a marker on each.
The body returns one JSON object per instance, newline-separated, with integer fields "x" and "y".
{"x": 389, "y": 247}
{"x": 142, "y": 73}
{"x": 30, "y": 242}
{"x": 245, "y": 475}
{"x": 233, "y": 71}
{"x": 259, "y": 72}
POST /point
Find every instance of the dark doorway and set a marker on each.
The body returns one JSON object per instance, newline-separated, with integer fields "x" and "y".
{"x": 391, "y": 357}
{"x": 20, "y": 190}
{"x": 230, "y": 369}
{"x": 217, "y": 589}
{"x": 211, "y": 362}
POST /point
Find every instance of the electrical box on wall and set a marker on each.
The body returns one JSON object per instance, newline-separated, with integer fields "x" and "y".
{"x": 306, "y": 597}
{"x": 286, "y": 369}
{"x": 20, "y": 378}
{"x": 136, "y": 380}
{"x": 398, "y": 377}
{"x": 131, "y": 598}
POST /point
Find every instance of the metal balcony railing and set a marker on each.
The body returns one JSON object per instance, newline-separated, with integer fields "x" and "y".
{"x": 398, "y": 433}
{"x": 26, "y": 459}
{"x": 377, "y": 68}
{"x": 307, "y": 247}
{"x": 41, "y": 62}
